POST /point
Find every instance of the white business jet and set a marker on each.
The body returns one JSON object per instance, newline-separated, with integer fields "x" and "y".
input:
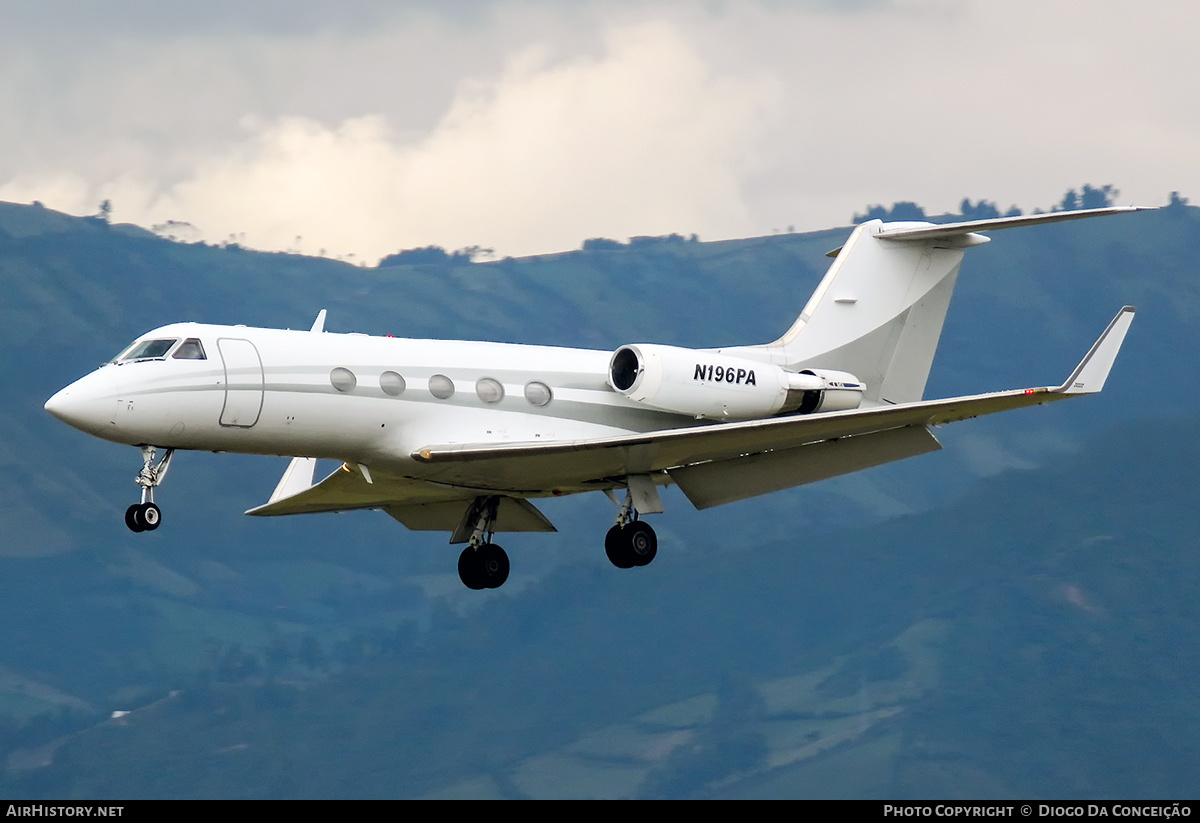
{"x": 460, "y": 436}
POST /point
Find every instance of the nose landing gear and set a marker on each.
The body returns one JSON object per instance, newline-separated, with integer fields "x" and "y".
{"x": 145, "y": 516}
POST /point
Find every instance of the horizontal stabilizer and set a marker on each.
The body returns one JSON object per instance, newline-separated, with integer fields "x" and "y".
{"x": 943, "y": 231}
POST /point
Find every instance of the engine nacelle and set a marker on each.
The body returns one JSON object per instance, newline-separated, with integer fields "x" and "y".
{"x": 698, "y": 383}
{"x": 712, "y": 385}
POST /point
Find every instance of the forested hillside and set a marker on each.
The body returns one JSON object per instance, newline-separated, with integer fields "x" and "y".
{"x": 1008, "y": 617}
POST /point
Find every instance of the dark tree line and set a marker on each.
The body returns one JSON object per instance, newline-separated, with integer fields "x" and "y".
{"x": 1088, "y": 197}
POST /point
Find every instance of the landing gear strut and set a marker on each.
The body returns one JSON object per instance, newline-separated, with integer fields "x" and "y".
{"x": 631, "y": 542}
{"x": 145, "y": 516}
{"x": 483, "y": 564}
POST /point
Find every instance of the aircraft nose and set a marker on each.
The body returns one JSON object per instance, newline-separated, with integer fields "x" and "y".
{"x": 89, "y": 404}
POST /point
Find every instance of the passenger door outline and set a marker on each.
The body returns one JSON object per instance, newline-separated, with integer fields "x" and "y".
{"x": 243, "y": 382}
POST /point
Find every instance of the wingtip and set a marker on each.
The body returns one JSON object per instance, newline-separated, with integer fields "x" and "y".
{"x": 1092, "y": 372}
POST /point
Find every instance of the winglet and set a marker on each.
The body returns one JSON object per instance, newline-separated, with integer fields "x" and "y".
{"x": 1092, "y": 371}
{"x": 319, "y": 324}
{"x": 296, "y": 478}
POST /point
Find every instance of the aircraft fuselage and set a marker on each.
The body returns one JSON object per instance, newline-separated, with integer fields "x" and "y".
{"x": 349, "y": 397}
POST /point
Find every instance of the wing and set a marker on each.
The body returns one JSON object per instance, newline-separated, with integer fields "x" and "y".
{"x": 531, "y": 469}
{"x": 347, "y": 489}
{"x": 712, "y": 464}
{"x": 419, "y": 505}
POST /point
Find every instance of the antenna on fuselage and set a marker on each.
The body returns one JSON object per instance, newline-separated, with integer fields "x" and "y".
{"x": 319, "y": 324}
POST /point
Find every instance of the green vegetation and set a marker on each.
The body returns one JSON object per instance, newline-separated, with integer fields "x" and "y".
{"x": 1089, "y": 197}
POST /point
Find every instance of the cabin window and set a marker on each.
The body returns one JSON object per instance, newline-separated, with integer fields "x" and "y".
{"x": 391, "y": 383}
{"x": 147, "y": 350}
{"x": 190, "y": 349}
{"x": 537, "y": 393}
{"x": 343, "y": 379}
{"x": 489, "y": 390}
{"x": 441, "y": 386}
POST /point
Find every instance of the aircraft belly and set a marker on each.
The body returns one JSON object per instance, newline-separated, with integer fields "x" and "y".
{"x": 539, "y": 474}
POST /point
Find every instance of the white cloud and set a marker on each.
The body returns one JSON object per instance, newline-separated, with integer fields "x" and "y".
{"x": 641, "y": 139}
{"x": 1013, "y": 101}
{"x": 530, "y": 126}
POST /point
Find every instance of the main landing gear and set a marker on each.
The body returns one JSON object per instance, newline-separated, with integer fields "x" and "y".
{"x": 145, "y": 516}
{"x": 483, "y": 564}
{"x": 631, "y": 542}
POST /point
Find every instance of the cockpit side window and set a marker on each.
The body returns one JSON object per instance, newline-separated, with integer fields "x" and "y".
{"x": 147, "y": 350}
{"x": 190, "y": 349}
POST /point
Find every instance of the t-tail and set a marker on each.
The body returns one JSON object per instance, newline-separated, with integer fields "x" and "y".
{"x": 878, "y": 312}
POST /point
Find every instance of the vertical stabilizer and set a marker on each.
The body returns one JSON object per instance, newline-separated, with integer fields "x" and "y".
{"x": 877, "y": 313}
{"x": 879, "y": 310}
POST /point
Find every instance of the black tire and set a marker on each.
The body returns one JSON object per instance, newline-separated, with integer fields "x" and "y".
{"x": 642, "y": 542}
{"x": 133, "y": 518}
{"x": 470, "y": 570}
{"x": 617, "y": 548}
{"x": 150, "y": 516}
{"x": 493, "y": 563}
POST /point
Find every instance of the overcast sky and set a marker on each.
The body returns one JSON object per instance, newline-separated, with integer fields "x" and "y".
{"x": 366, "y": 127}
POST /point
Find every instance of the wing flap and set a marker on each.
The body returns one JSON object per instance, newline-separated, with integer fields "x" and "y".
{"x": 512, "y": 515}
{"x": 725, "y": 481}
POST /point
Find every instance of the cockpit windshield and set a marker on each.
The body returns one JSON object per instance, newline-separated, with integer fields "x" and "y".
{"x": 146, "y": 350}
